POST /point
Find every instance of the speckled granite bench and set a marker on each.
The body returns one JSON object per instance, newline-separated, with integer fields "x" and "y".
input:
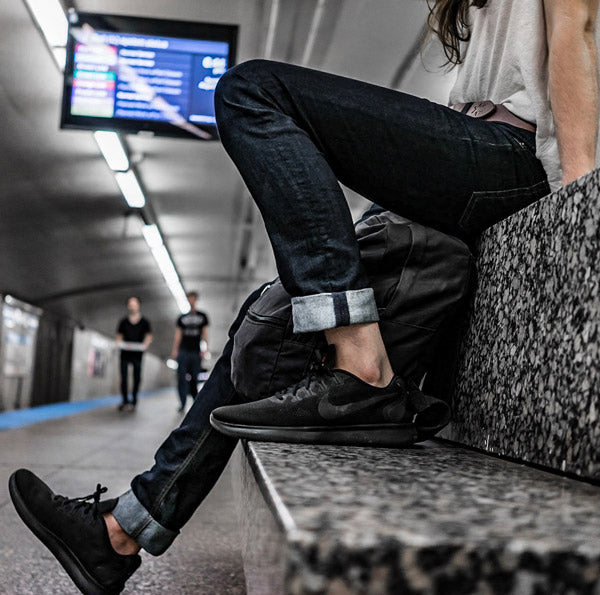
{"x": 528, "y": 383}
{"x": 439, "y": 518}
{"x": 434, "y": 519}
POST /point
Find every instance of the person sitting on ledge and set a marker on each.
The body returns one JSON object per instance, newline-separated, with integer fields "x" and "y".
{"x": 293, "y": 133}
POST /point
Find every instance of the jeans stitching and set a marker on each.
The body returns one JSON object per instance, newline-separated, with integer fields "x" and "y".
{"x": 508, "y": 193}
{"x": 146, "y": 520}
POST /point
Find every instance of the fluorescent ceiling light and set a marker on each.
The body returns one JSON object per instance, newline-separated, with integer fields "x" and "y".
{"x": 60, "y": 57}
{"x": 167, "y": 268}
{"x": 163, "y": 259}
{"x": 152, "y": 236}
{"x": 51, "y": 19}
{"x": 130, "y": 187}
{"x": 181, "y": 299}
{"x": 112, "y": 150}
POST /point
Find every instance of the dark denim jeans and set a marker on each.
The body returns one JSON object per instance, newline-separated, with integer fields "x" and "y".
{"x": 135, "y": 359}
{"x": 187, "y": 465}
{"x": 189, "y": 363}
{"x": 294, "y": 132}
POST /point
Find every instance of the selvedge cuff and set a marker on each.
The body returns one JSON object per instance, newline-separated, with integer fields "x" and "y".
{"x": 322, "y": 311}
{"x": 136, "y": 521}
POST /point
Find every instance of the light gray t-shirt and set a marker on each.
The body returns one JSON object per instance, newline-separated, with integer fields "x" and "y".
{"x": 506, "y": 61}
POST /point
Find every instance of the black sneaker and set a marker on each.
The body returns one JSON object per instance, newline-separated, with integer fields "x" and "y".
{"x": 75, "y": 532}
{"x": 329, "y": 407}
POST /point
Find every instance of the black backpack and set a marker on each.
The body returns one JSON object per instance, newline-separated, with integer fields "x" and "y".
{"x": 420, "y": 276}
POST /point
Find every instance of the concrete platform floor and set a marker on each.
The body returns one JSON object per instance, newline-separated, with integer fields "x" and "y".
{"x": 72, "y": 455}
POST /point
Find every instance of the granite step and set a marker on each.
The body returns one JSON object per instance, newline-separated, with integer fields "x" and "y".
{"x": 528, "y": 381}
{"x": 436, "y": 518}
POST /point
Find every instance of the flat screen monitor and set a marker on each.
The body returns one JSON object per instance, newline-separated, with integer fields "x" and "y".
{"x": 134, "y": 74}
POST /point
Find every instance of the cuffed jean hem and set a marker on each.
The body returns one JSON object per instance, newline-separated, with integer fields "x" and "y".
{"x": 329, "y": 310}
{"x": 136, "y": 521}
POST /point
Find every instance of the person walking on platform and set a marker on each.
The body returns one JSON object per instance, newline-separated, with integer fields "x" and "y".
{"x": 134, "y": 336}
{"x": 189, "y": 345}
{"x": 527, "y": 78}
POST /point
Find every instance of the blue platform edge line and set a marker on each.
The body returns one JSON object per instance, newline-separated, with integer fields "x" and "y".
{"x": 34, "y": 415}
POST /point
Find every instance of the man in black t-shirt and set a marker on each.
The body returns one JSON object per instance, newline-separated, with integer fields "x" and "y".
{"x": 134, "y": 335}
{"x": 189, "y": 344}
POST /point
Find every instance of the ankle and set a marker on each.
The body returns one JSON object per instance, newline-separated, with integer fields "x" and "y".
{"x": 374, "y": 373}
{"x": 121, "y": 542}
{"x": 359, "y": 349}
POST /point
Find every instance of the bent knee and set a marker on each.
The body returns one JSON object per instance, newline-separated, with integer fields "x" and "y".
{"x": 236, "y": 79}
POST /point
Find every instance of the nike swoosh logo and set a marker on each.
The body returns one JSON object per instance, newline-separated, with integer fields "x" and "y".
{"x": 327, "y": 410}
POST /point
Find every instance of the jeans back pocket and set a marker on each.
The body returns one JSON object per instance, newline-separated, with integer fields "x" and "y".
{"x": 487, "y": 207}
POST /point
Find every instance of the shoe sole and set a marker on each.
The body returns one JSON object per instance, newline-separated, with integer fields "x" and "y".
{"x": 380, "y": 435}
{"x": 79, "y": 575}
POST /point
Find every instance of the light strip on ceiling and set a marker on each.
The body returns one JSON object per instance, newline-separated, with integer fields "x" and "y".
{"x": 167, "y": 268}
{"x": 60, "y": 57}
{"x": 112, "y": 150}
{"x": 165, "y": 264}
{"x": 180, "y": 298}
{"x": 152, "y": 236}
{"x": 130, "y": 187}
{"x": 52, "y": 20}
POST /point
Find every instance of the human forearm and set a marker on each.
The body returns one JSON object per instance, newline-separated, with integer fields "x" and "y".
{"x": 572, "y": 64}
{"x": 574, "y": 98}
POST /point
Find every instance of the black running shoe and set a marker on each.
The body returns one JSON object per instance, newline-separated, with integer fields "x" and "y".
{"x": 75, "y": 532}
{"x": 327, "y": 407}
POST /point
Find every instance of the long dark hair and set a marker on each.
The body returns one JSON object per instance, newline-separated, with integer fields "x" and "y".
{"x": 449, "y": 20}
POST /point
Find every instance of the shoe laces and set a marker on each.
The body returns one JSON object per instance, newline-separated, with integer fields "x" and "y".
{"x": 82, "y": 507}
{"x": 317, "y": 372}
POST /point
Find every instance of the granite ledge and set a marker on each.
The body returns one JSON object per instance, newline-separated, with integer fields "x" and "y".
{"x": 435, "y": 518}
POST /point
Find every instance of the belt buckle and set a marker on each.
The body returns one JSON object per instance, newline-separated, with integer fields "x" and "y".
{"x": 481, "y": 109}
